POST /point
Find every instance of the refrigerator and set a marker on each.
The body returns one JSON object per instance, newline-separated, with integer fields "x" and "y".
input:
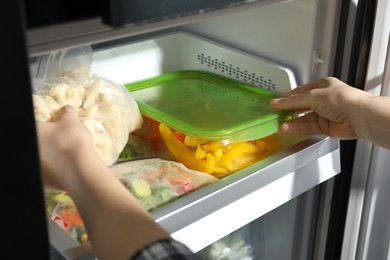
{"x": 318, "y": 198}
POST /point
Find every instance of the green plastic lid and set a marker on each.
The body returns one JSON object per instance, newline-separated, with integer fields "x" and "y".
{"x": 207, "y": 106}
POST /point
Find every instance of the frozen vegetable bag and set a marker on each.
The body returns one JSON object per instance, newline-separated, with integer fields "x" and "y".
{"x": 106, "y": 108}
{"x": 154, "y": 182}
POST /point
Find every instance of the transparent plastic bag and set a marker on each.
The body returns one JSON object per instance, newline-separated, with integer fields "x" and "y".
{"x": 155, "y": 182}
{"x": 62, "y": 210}
{"x": 105, "y": 107}
{"x": 244, "y": 244}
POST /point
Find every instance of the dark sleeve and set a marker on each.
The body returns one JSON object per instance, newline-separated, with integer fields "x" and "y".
{"x": 165, "y": 249}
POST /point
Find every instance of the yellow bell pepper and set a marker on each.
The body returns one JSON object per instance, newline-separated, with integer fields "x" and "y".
{"x": 240, "y": 155}
{"x": 190, "y": 141}
{"x": 210, "y": 163}
{"x": 181, "y": 152}
{"x": 218, "y": 154}
{"x": 200, "y": 154}
{"x": 212, "y": 146}
{"x": 214, "y": 157}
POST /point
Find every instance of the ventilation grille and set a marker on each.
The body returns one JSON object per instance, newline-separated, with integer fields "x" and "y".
{"x": 236, "y": 72}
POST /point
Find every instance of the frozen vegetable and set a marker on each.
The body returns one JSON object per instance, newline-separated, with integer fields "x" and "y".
{"x": 218, "y": 158}
{"x": 61, "y": 209}
{"x": 156, "y": 181}
{"x": 137, "y": 148}
{"x": 231, "y": 247}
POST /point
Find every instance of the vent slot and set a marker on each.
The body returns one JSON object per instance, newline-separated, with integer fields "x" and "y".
{"x": 236, "y": 72}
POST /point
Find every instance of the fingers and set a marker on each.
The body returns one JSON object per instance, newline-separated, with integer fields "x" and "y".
{"x": 307, "y": 128}
{"x": 306, "y": 116}
{"x": 302, "y": 98}
{"x": 67, "y": 112}
{"x": 294, "y": 102}
{"x": 305, "y": 88}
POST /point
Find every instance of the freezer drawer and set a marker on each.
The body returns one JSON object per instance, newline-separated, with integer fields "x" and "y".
{"x": 215, "y": 211}
{"x": 202, "y": 217}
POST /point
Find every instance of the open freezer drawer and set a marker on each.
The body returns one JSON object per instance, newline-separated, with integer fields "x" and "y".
{"x": 202, "y": 217}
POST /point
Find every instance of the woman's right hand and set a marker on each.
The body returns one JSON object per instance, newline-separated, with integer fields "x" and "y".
{"x": 64, "y": 146}
{"x": 117, "y": 224}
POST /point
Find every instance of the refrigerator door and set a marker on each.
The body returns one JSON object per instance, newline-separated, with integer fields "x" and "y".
{"x": 366, "y": 235}
{"x": 21, "y": 187}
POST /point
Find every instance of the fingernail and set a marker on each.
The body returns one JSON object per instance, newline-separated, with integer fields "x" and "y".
{"x": 277, "y": 101}
{"x": 284, "y": 127}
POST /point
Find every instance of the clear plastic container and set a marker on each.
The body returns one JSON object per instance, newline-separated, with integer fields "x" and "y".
{"x": 209, "y": 123}
{"x": 207, "y": 106}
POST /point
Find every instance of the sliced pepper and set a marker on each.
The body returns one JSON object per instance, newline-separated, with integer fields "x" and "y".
{"x": 210, "y": 163}
{"x": 180, "y": 151}
{"x": 240, "y": 155}
{"x": 70, "y": 217}
{"x": 190, "y": 141}
{"x": 200, "y": 154}
{"x": 212, "y": 146}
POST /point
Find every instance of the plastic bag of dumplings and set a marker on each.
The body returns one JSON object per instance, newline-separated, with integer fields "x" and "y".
{"x": 105, "y": 107}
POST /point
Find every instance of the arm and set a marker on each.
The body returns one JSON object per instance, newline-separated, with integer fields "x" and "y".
{"x": 339, "y": 111}
{"x": 117, "y": 224}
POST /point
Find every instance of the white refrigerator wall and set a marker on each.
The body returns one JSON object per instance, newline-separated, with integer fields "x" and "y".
{"x": 299, "y": 34}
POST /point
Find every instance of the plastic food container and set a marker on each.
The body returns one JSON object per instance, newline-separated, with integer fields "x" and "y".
{"x": 207, "y": 122}
{"x": 207, "y": 106}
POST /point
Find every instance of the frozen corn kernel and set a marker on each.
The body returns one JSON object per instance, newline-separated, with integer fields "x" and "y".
{"x": 84, "y": 238}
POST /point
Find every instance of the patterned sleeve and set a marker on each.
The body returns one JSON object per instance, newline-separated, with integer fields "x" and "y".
{"x": 165, "y": 249}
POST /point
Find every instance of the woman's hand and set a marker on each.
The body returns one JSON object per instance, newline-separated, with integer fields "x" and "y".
{"x": 117, "y": 224}
{"x": 64, "y": 145}
{"x": 330, "y": 102}
{"x": 338, "y": 110}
